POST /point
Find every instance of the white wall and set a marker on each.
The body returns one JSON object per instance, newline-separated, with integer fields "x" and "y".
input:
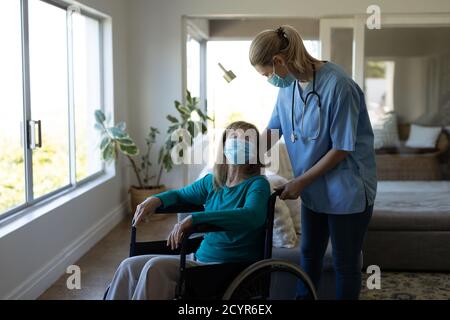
{"x": 155, "y": 70}
{"x": 410, "y": 88}
{"x": 34, "y": 256}
{"x": 248, "y": 28}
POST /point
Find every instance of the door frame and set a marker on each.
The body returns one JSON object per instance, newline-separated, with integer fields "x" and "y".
{"x": 358, "y": 23}
{"x": 355, "y": 23}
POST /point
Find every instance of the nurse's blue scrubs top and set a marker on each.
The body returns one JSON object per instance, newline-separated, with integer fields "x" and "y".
{"x": 345, "y": 125}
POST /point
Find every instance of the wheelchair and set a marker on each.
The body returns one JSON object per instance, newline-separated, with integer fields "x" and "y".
{"x": 251, "y": 280}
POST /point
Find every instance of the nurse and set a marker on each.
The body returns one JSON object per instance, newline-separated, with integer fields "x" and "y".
{"x": 322, "y": 115}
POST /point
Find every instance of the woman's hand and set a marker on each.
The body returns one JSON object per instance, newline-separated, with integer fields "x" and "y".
{"x": 145, "y": 208}
{"x": 292, "y": 189}
{"x": 178, "y": 232}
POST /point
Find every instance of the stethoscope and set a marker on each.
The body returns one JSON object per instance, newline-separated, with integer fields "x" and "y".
{"x": 312, "y": 93}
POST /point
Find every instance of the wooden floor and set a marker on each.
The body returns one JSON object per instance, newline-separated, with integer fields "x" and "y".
{"x": 99, "y": 264}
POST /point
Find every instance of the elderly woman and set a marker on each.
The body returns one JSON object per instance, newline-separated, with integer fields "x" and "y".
{"x": 235, "y": 197}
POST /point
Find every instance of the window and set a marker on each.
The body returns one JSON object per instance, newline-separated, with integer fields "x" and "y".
{"x": 193, "y": 66}
{"x": 49, "y": 96}
{"x": 12, "y": 178}
{"x": 379, "y": 88}
{"x": 87, "y": 92}
{"x": 51, "y": 83}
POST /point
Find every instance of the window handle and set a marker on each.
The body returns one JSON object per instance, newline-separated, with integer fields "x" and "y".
{"x": 32, "y": 144}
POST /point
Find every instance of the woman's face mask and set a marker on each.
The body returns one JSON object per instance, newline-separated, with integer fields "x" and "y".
{"x": 280, "y": 82}
{"x": 239, "y": 151}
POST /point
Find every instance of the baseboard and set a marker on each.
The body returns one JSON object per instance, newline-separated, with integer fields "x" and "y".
{"x": 41, "y": 280}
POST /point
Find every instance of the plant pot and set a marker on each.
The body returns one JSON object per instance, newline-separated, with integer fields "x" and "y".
{"x": 138, "y": 195}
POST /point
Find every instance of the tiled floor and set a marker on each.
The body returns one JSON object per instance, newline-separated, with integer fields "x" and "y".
{"x": 99, "y": 264}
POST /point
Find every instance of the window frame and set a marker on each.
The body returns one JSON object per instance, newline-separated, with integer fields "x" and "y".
{"x": 106, "y": 102}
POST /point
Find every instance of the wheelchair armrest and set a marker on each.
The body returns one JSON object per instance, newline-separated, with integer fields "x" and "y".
{"x": 160, "y": 247}
{"x": 183, "y": 208}
{"x": 205, "y": 227}
{"x": 188, "y": 245}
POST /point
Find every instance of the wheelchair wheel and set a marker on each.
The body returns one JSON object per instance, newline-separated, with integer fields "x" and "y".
{"x": 256, "y": 281}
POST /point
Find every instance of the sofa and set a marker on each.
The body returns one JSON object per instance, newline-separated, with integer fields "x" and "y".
{"x": 403, "y": 163}
{"x": 410, "y": 227}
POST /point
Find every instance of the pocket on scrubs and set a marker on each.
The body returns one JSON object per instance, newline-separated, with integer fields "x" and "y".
{"x": 346, "y": 189}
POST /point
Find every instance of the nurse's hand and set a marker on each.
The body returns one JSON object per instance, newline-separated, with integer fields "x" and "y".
{"x": 292, "y": 189}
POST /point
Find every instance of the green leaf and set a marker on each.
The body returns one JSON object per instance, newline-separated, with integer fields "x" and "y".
{"x": 169, "y": 144}
{"x": 113, "y": 153}
{"x": 204, "y": 128}
{"x": 98, "y": 126}
{"x": 185, "y": 110}
{"x": 201, "y": 114}
{"x": 99, "y": 116}
{"x": 108, "y": 153}
{"x": 177, "y": 106}
{"x": 116, "y": 133}
{"x": 188, "y": 96}
{"x": 191, "y": 128}
{"x": 129, "y": 150}
{"x": 172, "y": 119}
{"x": 105, "y": 142}
{"x": 125, "y": 141}
{"x": 172, "y": 129}
{"x": 122, "y": 126}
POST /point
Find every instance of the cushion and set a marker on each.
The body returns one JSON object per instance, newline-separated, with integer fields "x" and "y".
{"x": 293, "y": 255}
{"x": 281, "y": 165}
{"x": 294, "y": 209}
{"x": 293, "y": 205}
{"x": 405, "y": 150}
{"x": 284, "y": 235}
{"x": 385, "y": 130}
{"x": 423, "y": 137}
{"x": 424, "y": 209}
{"x": 411, "y": 211}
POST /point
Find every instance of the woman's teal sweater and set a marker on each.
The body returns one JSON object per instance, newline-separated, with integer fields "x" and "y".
{"x": 241, "y": 210}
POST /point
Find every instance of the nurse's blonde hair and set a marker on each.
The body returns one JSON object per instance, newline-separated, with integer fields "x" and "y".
{"x": 220, "y": 169}
{"x": 285, "y": 41}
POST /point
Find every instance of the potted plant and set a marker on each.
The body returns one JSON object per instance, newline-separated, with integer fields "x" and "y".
{"x": 115, "y": 140}
{"x": 145, "y": 189}
{"x": 190, "y": 122}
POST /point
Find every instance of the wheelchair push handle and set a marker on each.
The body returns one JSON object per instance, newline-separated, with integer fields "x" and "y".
{"x": 277, "y": 192}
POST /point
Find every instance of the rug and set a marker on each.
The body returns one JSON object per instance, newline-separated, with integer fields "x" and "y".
{"x": 409, "y": 286}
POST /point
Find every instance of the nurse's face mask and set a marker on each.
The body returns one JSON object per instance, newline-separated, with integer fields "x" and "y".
{"x": 239, "y": 151}
{"x": 278, "y": 81}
